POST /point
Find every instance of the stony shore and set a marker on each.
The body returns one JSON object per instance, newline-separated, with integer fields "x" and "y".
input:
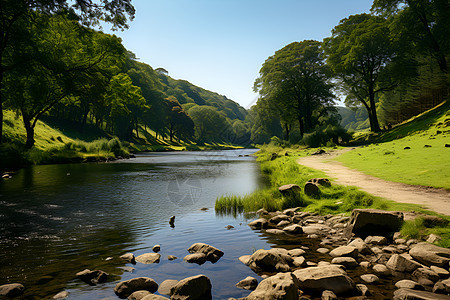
{"x": 349, "y": 262}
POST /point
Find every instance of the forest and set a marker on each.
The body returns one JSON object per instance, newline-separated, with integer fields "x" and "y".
{"x": 388, "y": 65}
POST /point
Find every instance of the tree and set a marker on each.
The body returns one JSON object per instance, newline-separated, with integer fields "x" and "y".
{"x": 426, "y": 22}
{"x": 178, "y": 121}
{"x": 294, "y": 82}
{"x": 79, "y": 58}
{"x": 210, "y": 125}
{"x": 359, "y": 53}
{"x": 15, "y": 16}
{"x": 126, "y": 105}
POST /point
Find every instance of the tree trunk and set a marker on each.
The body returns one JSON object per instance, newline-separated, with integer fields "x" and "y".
{"x": 30, "y": 134}
{"x": 373, "y": 110}
{"x": 286, "y": 128}
{"x": 301, "y": 126}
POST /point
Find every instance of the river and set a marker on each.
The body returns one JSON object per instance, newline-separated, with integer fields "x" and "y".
{"x": 57, "y": 220}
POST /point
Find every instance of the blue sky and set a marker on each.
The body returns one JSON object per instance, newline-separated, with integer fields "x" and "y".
{"x": 220, "y": 45}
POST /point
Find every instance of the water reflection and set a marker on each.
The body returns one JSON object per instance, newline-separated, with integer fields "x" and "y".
{"x": 57, "y": 220}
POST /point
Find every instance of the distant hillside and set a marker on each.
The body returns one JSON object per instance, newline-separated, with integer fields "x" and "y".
{"x": 187, "y": 93}
{"x": 353, "y": 120}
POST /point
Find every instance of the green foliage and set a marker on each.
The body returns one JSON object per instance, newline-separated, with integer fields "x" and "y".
{"x": 326, "y": 136}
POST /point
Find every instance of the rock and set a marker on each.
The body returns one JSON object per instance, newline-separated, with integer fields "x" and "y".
{"x": 248, "y": 283}
{"x": 154, "y": 297}
{"x": 317, "y": 279}
{"x": 347, "y": 262}
{"x": 381, "y": 270}
{"x": 212, "y": 253}
{"x": 148, "y": 258}
{"x": 429, "y": 254}
{"x": 443, "y": 273}
{"x": 365, "y": 264}
{"x": 61, "y": 295}
{"x": 296, "y": 252}
{"x": 172, "y": 221}
{"x": 359, "y": 244}
{"x": 259, "y": 224}
{"x": 228, "y": 227}
{"x": 279, "y": 286}
{"x": 408, "y": 294}
{"x": 399, "y": 263}
{"x": 323, "y": 250}
{"x": 315, "y": 229}
{"x": 321, "y": 181}
{"x": 129, "y": 257}
{"x": 128, "y": 269}
{"x": 293, "y": 229}
{"x": 275, "y": 231}
{"x": 312, "y": 189}
{"x": 319, "y": 152}
{"x": 376, "y": 240}
{"x": 390, "y": 249}
{"x": 138, "y": 295}
{"x": 400, "y": 241}
{"x": 370, "y": 278}
{"x": 284, "y": 223}
{"x": 245, "y": 259}
{"x": 278, "y": 218}
{"x": 272, "y": 260}
{"x": 12, "y": 290}
{"x": 408, "y": 284}
{"x": 156, "y": 248}
{"x": 290, "y": 211}
{"x": 171, "y": 257}
{"x": 92, "y": 277}
{"x": 299, "y": 262}
{"x": 198, "y": 258}
{"x": 443, "y": 286}
{"x": 363, "y": 290}
{"x": 125, "y": 288}
{"x": 192, "y": 288}
{"x": 433, "y": 238}
{"x": 166, "y": 287}
{"x": 289, "y": 188}
{"x": 425, "y": 273}
{"x": 329, "y": 295}
{"x": 345, "y": 251}
{"x": 365, "y": 222}
{"x": 262, "y": 211}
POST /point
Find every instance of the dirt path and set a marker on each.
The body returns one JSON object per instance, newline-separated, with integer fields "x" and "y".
{"x": 431, "y": 198}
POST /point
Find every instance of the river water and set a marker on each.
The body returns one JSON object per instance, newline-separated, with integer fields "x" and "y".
{"x": 57, "y": 220}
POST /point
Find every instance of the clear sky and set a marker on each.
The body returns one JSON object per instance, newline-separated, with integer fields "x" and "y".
{"x": 220, "y": 45}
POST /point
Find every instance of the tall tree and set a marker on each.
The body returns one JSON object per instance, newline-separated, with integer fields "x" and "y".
{"x": 295, "y": 81}
{"x": 62, "y": 60}
{"x": 359, "y": 53}
{"x": 15, "y": 16}
{"x": 426, "y": 22}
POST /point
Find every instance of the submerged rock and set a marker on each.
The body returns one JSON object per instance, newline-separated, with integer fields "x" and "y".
{"x": 148, "y": 258}
{"x": 12, "y": 290}
{"x": 92, "y": 277}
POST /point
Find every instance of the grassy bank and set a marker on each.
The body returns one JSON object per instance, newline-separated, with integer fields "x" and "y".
{"x": 65, "y": 142}
{"x": 414, "y": 152}
{"x": 335, "y": 199}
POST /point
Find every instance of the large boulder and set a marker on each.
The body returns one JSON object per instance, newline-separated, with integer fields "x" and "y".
{"x": 279, "y": 286}
{"x": 212, "y": 253}
{"x": 408, "y": 294}
{"x": 272, "y": 260}
{"x": 92, "y": 277}
{"x": 11, "y": 290}
{"x": 329, "y": 277}
{"x": 429, "y": 254}
{"x": 365, "y": 222}
{"x": 192, "y": 288}
{"x": 125, "y": 288}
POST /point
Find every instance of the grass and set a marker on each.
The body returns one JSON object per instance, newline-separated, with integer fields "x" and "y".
{"x": 425, "y": 163}
{"x": 336, "y": 199}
